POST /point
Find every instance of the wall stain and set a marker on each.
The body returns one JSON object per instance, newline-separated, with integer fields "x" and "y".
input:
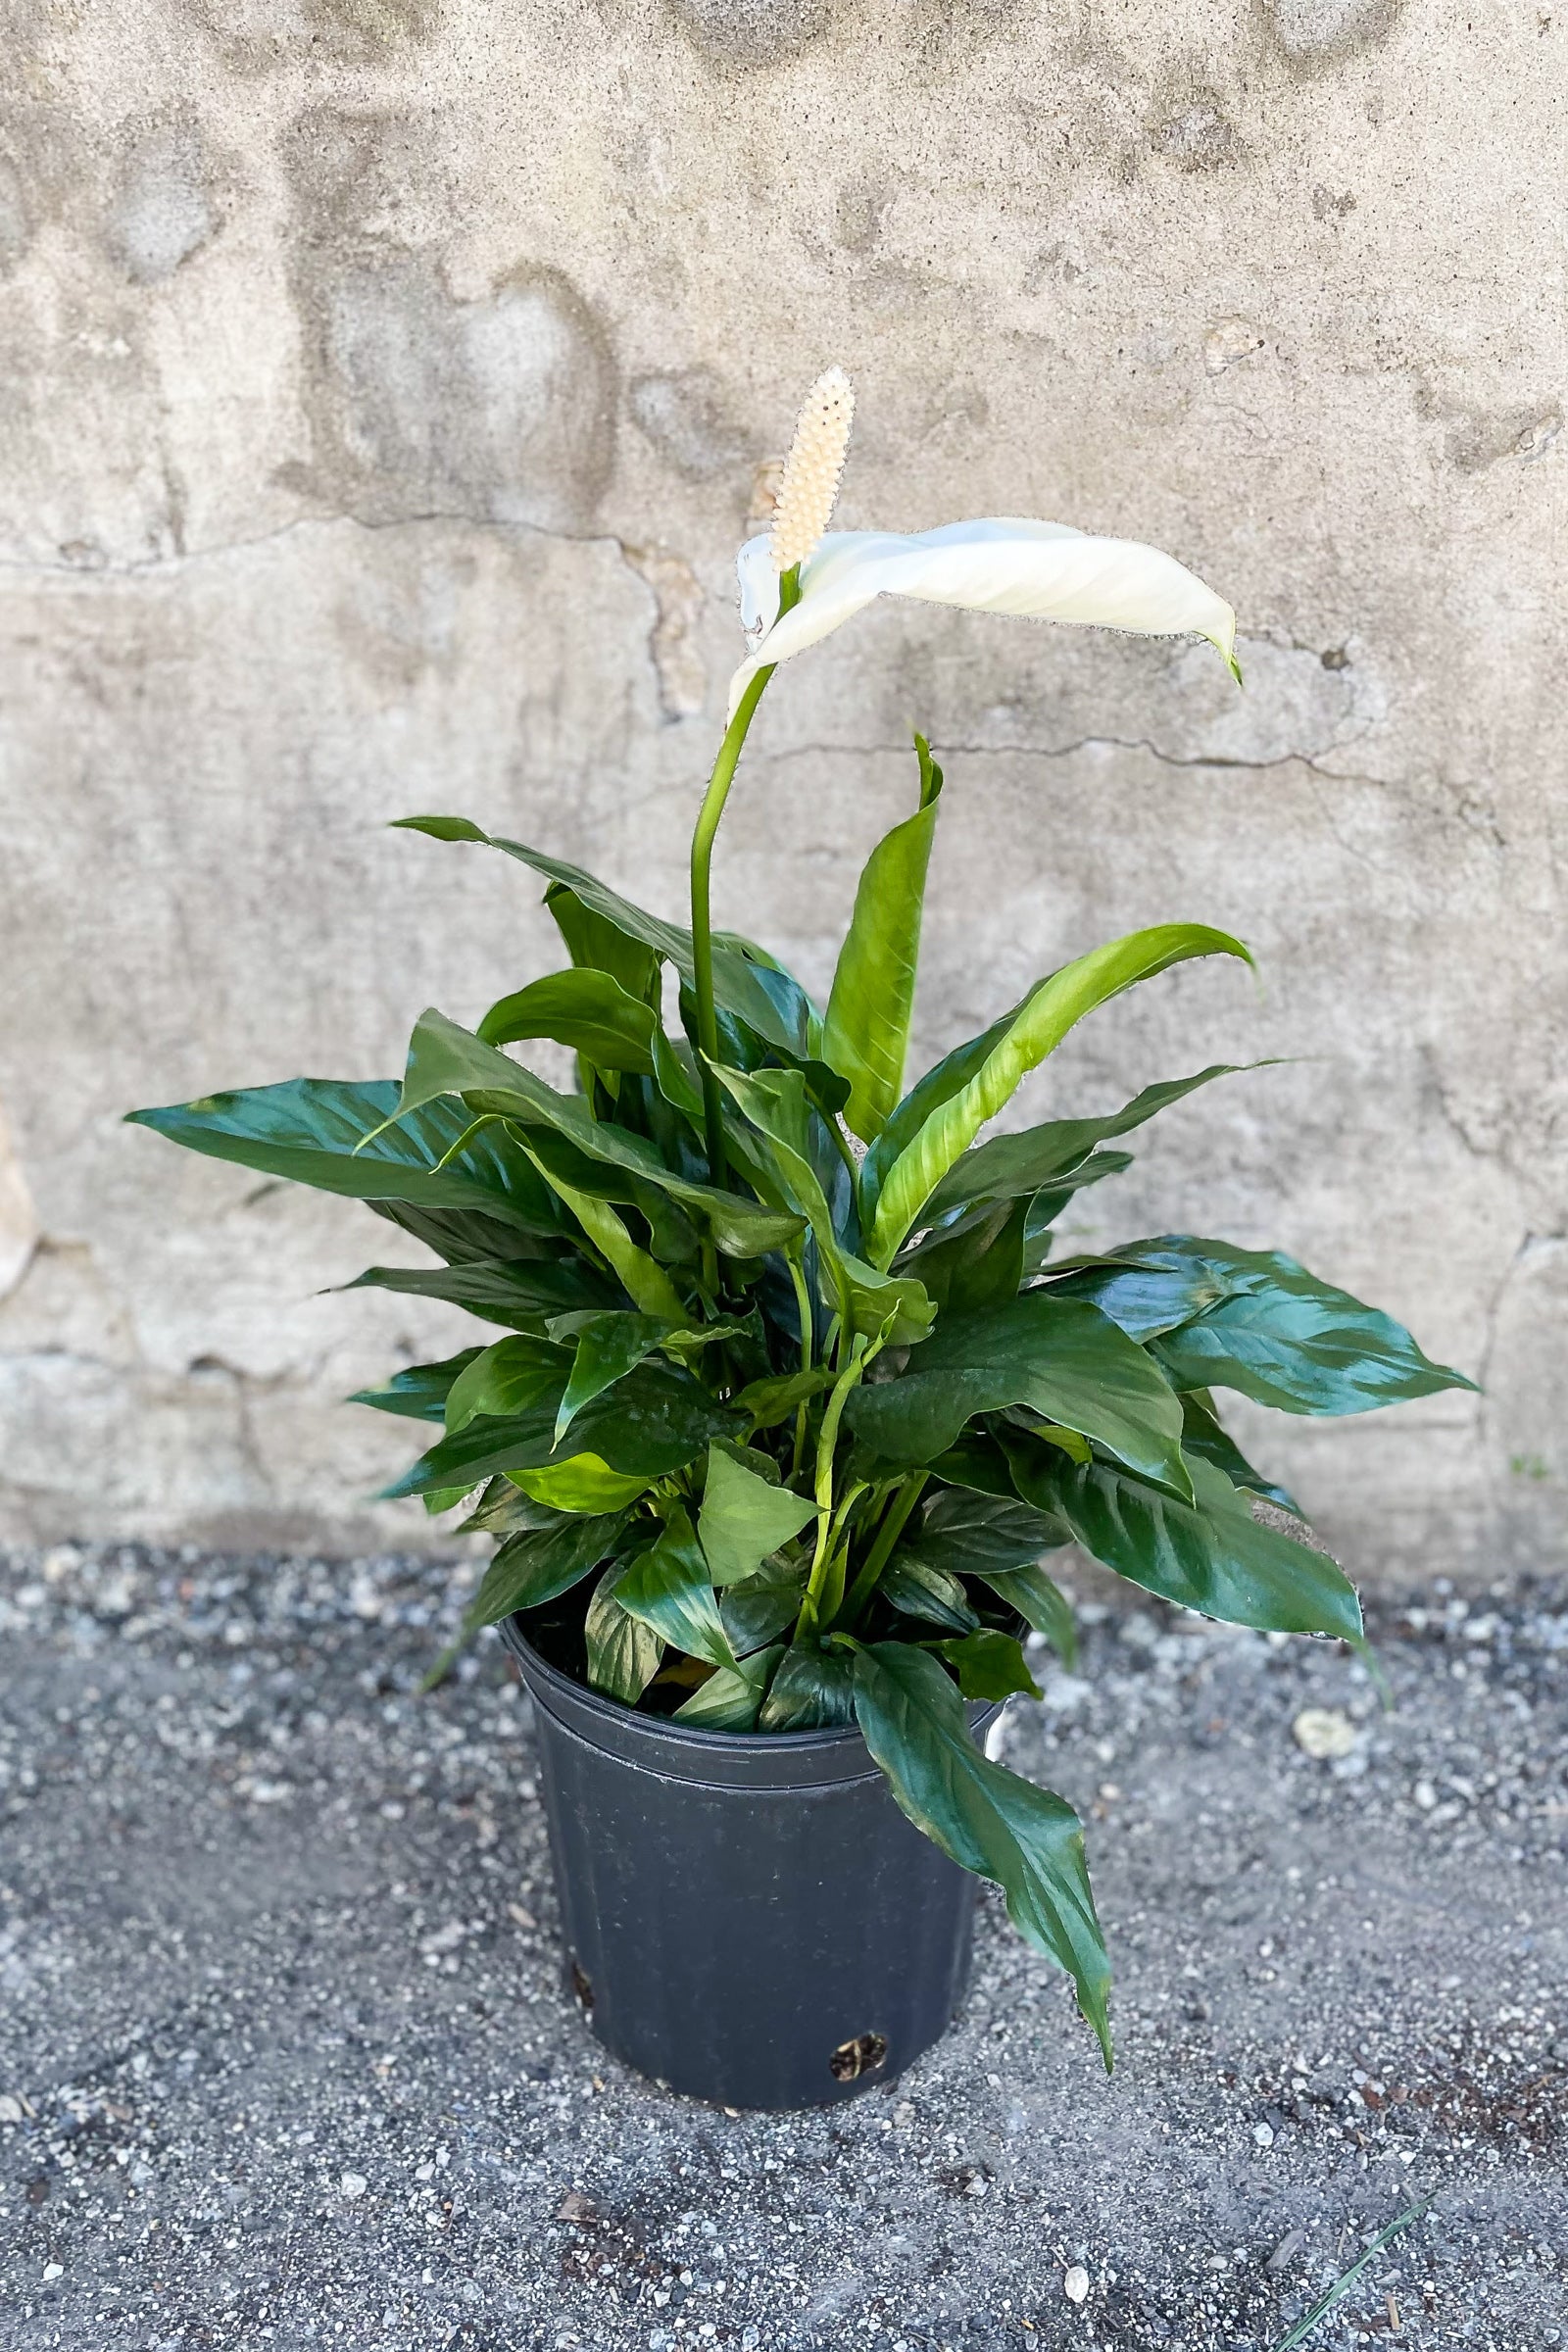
{"x": 682, "y": 414}
{"x": 752, "y": 32}
{"x": 259, "y": 36}
{"x": 162, "y": 207}
{"x": 1194, "y": 133}
{"x": 1312, "y": 35}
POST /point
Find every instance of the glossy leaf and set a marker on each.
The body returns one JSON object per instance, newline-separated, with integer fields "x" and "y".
{"x": 729, "y": 1699}
{"x": 743, "y": 1518}
{"x": 595, "y": 944}
{"x": 541, "y": 1564}
{"x": 623, "y": 1653}
{"x": 866, "y": 1033}
{"x": 606, "y": 1347}
{"x": 1256, "y": 1321}
{"x": 984, "y": 1817}
{"x": 919, "y": 1587}
{"x": 977, "y": 1265}
{"x": 763, "y": 1606}
{"x": 504, "y": 1509}
{"x": 770, "y": 1402}
{"x": 1010, "y": 1167}
{"x": 500, "y": 1290}
{"x": 984, "y": 1535}
{"x": 584, "y": 1482}
{"x": 444, "y": 1060}
{"x": 944, "y": 1079}
{"x": 1210, "y": 1555}
{"x": 313, "y": 1130}
{"x": 669, "y": 1588}
{"x": 1043, "y": 1020}
{"x": 989, "y": 1665}
{"x": 654, "y": 1421}
{"x": 419, "y": 1393}
{"x": 812, "y": 1690}
{"x": 1204, "y": 1435}
{"x": 508, "y": 1378}
{"x": 1059, "y": 1356}
{"x": 1042, "y": 1604}
{"x": 738, "y": 985}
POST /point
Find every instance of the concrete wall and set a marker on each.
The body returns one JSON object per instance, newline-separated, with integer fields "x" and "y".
{"x": 386, "y": 386}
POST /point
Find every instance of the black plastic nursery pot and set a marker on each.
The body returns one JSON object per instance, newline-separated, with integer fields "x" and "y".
{"x": 748, "y": 1917}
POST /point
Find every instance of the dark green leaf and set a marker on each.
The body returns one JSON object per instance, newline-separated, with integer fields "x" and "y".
{"x": 542, "y": 1563}
{"x": 1010, "y": 1167}
{"x": 867, "y": 1034}
{"x": 669, "y": 1588}
{"x": 738, "y": 984}
{"x": 984, "y": 1535}
{"x": 1204, "y": 1435}
{"x": 419, "y": 1393}
{"x": 977, "y": 1462}
{"x": 989, "y": 1665}
{"x": 654, "y": 1421}
{"x": 504, "y": 1509}
{"x": 517, "y": 1290}
{"x": 728, "y": 1700}
{"x": 763, "y": 1606}
{"x": 1043, "y": 1606}
{"x": 984, "y": 1817}
{"x": 1047, "y": 1015}
{"x": 508, "y": 1379}
{"x": 623, "y": 1653}
{"x": 308, "y": 1130}
{"x": 976, "y": 1264}
{"x": 1256, "y": 1321}
{"x": 597, "y": 945}
{"x": 608, "y": 1347}
{"x": 812, "y": 1690}
{"x": 1210, "y": 1554}
{"x": 444, "y": 1060}
{"x": 770, "y": 1402}
{"x": 921, "y": 1588}
{"x": 743, "y": 1518}
{"x": 1058, "y": 1356}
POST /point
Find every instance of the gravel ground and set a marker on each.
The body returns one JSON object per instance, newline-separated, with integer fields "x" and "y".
{"x": 285, "y": 2057}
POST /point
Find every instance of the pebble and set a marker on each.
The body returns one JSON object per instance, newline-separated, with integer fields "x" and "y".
{"x": 354, "y": 2184}
{"x": 11, "y": 2110}
{"x": 1075, "y": 2285}
{"x": 1263, "y": 2133}
{"x": 54, "y": 2270}
{"x": 1324, "y": 1733}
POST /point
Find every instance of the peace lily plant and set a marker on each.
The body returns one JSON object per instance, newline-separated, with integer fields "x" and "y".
{"x": 793, "y": 1397}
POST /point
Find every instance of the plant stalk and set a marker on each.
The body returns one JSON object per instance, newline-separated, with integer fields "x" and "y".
{"x": 876, "y": 1559}
{"x": 707, "y": 818}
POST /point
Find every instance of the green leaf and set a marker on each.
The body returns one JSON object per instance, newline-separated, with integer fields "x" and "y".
{"x": 1042, "y": 1604}
{"x": 743, "y": 1518}
{"x": 608, "y": 1347}
{"x": 984, "y": 1534}
{"x": 444, "y": 1059}
{"x": 944, "y": 1079}
{"x": 738, "y": 985}
{"x": 1043, "y": 1020}
{"x": 654, "y": 1421}
{"x": 812, "y": 1690}
{"x": 729, "y": 1699}
{"x": 1210, "y": 1555}
{"x": 313, "y": 1130}
{"x": 502, "y": 1289}
{"x": 504, "y": 1509}
{"x": 978, "y": 1463}
{"x": 985, "y": 1818}
{"x": 770, "y": 1402}
{"x": 587, "y": 1011}
{"x": 1204, "y": 1435}
{"x": 921, "y": 1588}
{"x": 541, "y": 1564}
{"x": 595, "y": 944}
{"x": 419, "y": 1393}
{"x": 976, "y": 1264}
{"x": 623, "y": 1653}
{"x": 1010, "y": 1166}
{"x": 584, "y": 1482}
{"x": 669, "y": 1588}
{"x": 508, "y": 1378}
{"x": 1256, "y": 1321}
{"x": 989, "y": 1665}
{"x": 867, "y": 1034}
{"x": 761, "y": 1608}
{"x": 1059, "y": 1356}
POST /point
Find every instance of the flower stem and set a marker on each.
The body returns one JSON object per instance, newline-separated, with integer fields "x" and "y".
{"x": 712, "y": 809}
{"x": 887, "y": 1535}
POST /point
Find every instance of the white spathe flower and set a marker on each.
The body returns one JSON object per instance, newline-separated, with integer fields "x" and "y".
{"x": 1043, "y": 571}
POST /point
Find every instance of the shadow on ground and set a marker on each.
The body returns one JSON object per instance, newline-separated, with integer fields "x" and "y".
{"x": 285, "y": 2057}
